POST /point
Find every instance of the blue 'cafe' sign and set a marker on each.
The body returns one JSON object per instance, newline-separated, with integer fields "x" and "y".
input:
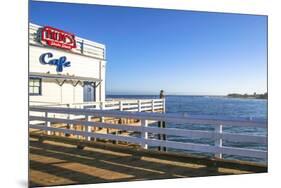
{"x": 61, "y": 62}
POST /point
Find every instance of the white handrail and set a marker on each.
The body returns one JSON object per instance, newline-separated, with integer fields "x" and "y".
{"x": 141, "y": 105}
{"x": 218, "y": 135}
{"x": 176, "y": 118}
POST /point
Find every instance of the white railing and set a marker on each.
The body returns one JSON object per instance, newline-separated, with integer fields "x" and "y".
{"x": 44, "y": 118}
{"x": 131, "y": 105}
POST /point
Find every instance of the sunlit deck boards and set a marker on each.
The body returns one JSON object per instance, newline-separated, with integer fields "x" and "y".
{"x": 57, "y": 161}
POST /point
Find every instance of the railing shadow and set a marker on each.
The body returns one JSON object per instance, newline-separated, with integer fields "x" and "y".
{"x": 97, "y": 166}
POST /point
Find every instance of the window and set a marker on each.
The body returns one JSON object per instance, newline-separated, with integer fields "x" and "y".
{"x": 34, "y": 86}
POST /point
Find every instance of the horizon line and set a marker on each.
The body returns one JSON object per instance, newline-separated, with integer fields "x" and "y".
{"x": 179, "y": 94}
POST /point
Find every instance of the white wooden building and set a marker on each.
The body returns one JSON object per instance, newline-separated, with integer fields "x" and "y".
{"x": 82, "y": 78}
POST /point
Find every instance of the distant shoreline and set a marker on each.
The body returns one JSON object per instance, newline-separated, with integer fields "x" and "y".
{"x": 246, "y": 96}
{"x": 238, "y": 96}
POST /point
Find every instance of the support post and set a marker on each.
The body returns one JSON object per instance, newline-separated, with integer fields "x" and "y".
{"x": 144, "y": 134}
{"x": 152, "y": 105}
{"x": 68, "y": 126}
{"x": 82, "y": 47}
{"x": 139, "y": 105}
{"x": 47, "y": 123}
{"x": 89, "y": 128}
{"x": 164, "y": 105}
{"x": 159, "y": 135}
{"x": 164, "y": 135}
{"x": 94, "y": 129}
{"x": 161, "y": 124}
{"x": 102, "y": 107}
{"x": 116, "y": 141}
{"x": 121, "y": 105}
{"x": 218, "y": 140}
{"x": 121, "y": 109}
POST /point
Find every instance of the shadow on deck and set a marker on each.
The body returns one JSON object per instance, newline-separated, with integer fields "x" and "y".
{"x": 57, "y": 161}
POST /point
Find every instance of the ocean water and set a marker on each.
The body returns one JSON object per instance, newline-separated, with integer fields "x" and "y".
{"x": 216, "y": 106}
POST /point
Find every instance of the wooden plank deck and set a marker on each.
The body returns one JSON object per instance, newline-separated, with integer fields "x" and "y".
{"x": 57, "y": 161}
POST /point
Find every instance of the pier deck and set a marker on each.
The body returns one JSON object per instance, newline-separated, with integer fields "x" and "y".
{"x": 57, "y": 161}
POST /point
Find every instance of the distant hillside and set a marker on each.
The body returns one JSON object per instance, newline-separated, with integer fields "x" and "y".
{"x": 247, "y": 96}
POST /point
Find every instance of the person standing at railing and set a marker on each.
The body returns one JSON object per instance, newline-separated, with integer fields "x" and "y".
{"x": 162, "y": 96}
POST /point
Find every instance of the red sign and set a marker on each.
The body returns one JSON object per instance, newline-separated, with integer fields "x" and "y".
{"x": 58, "y": 38}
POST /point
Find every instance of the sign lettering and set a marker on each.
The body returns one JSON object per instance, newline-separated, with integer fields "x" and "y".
{"x": 60, "y": 63}
{"x": 57, "y": 38}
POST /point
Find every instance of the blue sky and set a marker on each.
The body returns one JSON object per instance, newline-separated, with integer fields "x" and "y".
{"x": 181, "y": 52}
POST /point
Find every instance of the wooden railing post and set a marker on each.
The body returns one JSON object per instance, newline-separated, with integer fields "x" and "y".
{"x": 164, "y": 105}
{"x": 159, "y": 135}
{"x": 152, "y": 105}
{"x": 164, "y": 135}
{"x": 68, "y": 126}
{"x": 144, "y": 134}
{"x": 139, "y": 105}
{"x": 102, "y": 107}
{"x": 162, "y": 124}
{"x": 89, "y": 128}
{"x": 47, "y": 123}
{"x": 120, "y": 120}
{"x": 121, "y": 105}
{"x": 218, "y": 140}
